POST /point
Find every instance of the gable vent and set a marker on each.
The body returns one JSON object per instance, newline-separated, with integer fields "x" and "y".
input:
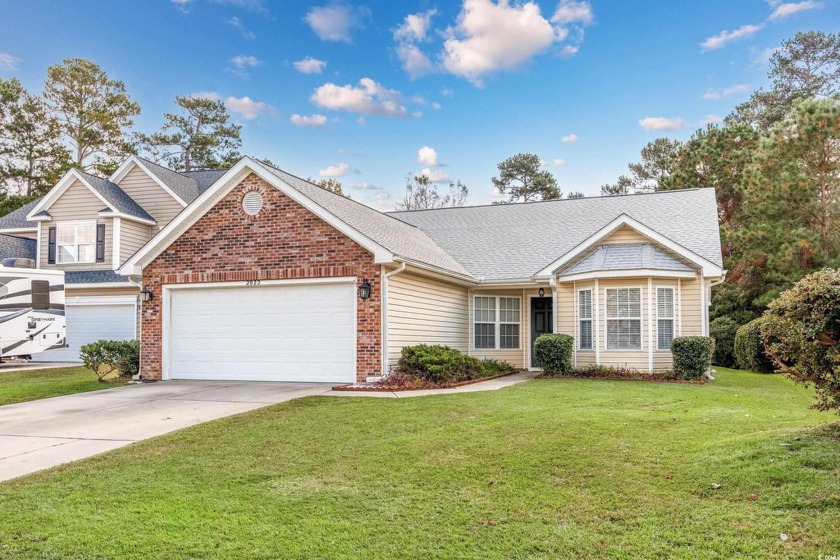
{"x": 252, "y": 203}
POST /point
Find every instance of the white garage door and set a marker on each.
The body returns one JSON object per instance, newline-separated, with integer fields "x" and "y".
{"x": 279, "y": 332}
{"x": 86, "y": 323}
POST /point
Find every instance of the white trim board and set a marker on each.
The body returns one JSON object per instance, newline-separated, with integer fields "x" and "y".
{"x": 708, "y": 267}
{"x": 224, "y": 185}
{"x": 55, "y": 193}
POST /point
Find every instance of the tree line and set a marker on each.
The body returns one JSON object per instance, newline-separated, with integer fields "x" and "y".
{"x": 83, "y": 119}
{"x": 774, "y": 163}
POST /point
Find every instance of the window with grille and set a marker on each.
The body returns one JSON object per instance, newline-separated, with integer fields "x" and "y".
{"x": 585, "y": 319}
{"x": 496, "y": 322}
{"x": 76, "y": 242}
{"x": 664, "y": 318}
{"x": 624, "y": 318}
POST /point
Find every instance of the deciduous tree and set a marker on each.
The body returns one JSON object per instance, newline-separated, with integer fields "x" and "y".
{"x": 422, "y": 194}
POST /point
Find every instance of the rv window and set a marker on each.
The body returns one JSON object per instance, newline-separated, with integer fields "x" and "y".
{"x": 40, "y": 294}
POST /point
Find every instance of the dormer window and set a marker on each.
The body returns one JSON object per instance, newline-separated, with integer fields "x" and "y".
{"x": 76, "y": 242}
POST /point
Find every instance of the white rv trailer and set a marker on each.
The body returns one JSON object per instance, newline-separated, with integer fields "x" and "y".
{"x": 31, "y": 309}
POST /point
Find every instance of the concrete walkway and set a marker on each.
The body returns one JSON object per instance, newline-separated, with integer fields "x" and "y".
{"x": 45, "y": 433}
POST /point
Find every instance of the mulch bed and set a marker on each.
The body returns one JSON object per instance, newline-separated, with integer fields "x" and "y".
{"x": 616, "y": 378}
{"x": 389, "y": 388}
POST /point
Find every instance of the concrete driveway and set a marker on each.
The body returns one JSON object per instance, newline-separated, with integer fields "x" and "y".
{"x": 41, "y": 434}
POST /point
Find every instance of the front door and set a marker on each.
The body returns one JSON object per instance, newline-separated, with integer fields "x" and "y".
{"x": 542, "y": 320}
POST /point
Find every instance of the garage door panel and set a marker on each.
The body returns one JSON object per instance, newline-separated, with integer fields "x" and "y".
{"x": 89, "y": 323}
{"x": 271, "y": 333}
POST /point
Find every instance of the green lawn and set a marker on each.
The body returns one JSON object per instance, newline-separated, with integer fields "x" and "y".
{"x": 545, "y": 469}
{"x": 33, "y": 384}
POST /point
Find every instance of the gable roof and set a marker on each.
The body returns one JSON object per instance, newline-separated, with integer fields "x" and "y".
{"x": 185, "y": 188}
{"x": 627, "y": 256}
{"x": 204, "y": 178}
{"x": 17, "y": 247}
{"x": 513, "y": 241}
{"x": 16, "y": 219}
{"x": 116, "y": 198}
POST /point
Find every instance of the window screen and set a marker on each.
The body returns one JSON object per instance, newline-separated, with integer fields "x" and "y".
{"x": 40, "y": 294}
{"x": 585, "y": 317}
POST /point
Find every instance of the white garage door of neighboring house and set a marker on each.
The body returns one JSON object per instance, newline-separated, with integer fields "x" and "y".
{"x": 90, "y": 319}
{"x": 277, "y": 331}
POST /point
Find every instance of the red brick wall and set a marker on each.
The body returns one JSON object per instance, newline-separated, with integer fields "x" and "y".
{"x": 283, "y": 241}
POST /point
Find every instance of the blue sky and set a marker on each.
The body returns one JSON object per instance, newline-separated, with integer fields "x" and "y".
{"x": 582, "y": 84}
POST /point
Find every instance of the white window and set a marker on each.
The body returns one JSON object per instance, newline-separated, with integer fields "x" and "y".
{"x": 496, "y": 322}
{"x": 624, "y": 318}
{"x": 664, "y": 318}
{"x": 76, "y": 242}
{"x": 585, "y": 319}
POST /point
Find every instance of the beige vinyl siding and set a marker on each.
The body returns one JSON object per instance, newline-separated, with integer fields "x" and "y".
{"x": 514, "y": 356}
{"x": 567, "y": 294}
{"x": 77, "y": 203}
{"x": 150, "y": 196}
{"x": 625, "y": 234}
{"x": 132, "y": 236}
{"x": 691, "y": 323}
{"x": 422, "y": 310}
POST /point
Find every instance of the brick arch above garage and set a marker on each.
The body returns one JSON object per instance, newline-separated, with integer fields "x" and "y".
{"x": 283, "y": 241}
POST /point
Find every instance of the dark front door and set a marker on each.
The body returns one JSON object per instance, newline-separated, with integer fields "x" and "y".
{"x": 542, "y": 319}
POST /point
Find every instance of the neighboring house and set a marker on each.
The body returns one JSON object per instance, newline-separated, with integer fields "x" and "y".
{"x": 258, "y": 277}
{"x": 87, "y": 226}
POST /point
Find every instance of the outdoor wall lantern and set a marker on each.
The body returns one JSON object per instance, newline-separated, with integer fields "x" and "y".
{"x": 146, "y": 294}
{"x": 364, "y": 289}
{"x": 542, "y": 292}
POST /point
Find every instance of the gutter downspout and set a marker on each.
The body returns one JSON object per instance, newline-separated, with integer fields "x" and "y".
{"x": 138, "y": 310}
{"x": 384, "y": 326}
{"x": 708, "y": 303}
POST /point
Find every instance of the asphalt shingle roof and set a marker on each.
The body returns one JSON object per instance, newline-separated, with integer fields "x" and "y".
{"x": 625, "y": 256}
{"x": 12, "y": 246}
{"x": 93, "y": 277}
{"x": 205, "y": 177}
{"x": 397, "y": 236}
{"x": 16, "y": 219}
{"x": 185, "y": 187}
{"x": 116, "y": 196}
{"x": 510, "y": 241}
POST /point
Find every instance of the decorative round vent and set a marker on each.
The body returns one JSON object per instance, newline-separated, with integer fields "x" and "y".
{"x": 252, "y": 203}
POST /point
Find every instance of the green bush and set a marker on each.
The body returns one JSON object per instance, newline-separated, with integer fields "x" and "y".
{"x": 692, "y": 355}
{"x": 749, "y": 348}
{"x": 439, "y": 364}
{"x": 491, "y": 367}
{"x": 553, "y": 353}
{"x": 723, "y": 330}
{"x": 105, "y": 357}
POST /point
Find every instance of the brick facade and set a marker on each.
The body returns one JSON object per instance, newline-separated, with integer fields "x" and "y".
{"x": 284, "y": 240}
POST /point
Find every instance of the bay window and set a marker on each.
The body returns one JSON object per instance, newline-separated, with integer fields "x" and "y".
{"x": 624, "y": 318}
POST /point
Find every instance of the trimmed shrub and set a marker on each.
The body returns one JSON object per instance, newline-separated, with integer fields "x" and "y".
{"x": 723, "y": 330}
{"x": 105, "y": 357}
{"x": 553, "y": 353}
{"x": 491, "y": 367}
{"x": 438, "y": 364}
{"x": 692, "y": 356}
{"x": 749, "y": 348}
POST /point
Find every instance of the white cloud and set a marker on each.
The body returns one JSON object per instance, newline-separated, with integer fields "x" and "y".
{"x": 789, "y": 8}
{"x": 211, "y": 95}
{"x": 244, "y": 31}
{"x": 724, "y": 37}
{"x": 436, "y": 106}
{"x": 311, "y": 121}
{"x": 490, "y": 36}
{"x": 247, "y": 108}
{"x": 495, "y": 193}
{"x": 370, "y": 98}
{"x": 414, "y": 30}
{"x": 712, "y": 119}
{"x": 337, "y": 170}
{"x": 427, "y": 156}
{"x": 415, "y": 26}
{"x": 570, "y": 139}
{"x": 726, "y": 92}
{"x": 435, "y": 176}
{"x": 245, "y": 61}
{"x": 559, "y": 162}
{"x": 760, "y": 57}
{"x": 573, "y": 12}
{"x": 310, "y": 65}
{"x": 662, "y": 123}
{"x": 446, "y": 92}
{"x": 183, "y": 5}
{"x": 569, "y": 50}
{"x": 361, "y": 121}
{"x": 335, "y": 21}
{"x": 8, "y": 62}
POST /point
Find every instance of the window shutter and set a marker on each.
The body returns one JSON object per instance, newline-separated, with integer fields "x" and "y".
{"x": 100, "y": 242}
{"x": 51, "y": 246}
